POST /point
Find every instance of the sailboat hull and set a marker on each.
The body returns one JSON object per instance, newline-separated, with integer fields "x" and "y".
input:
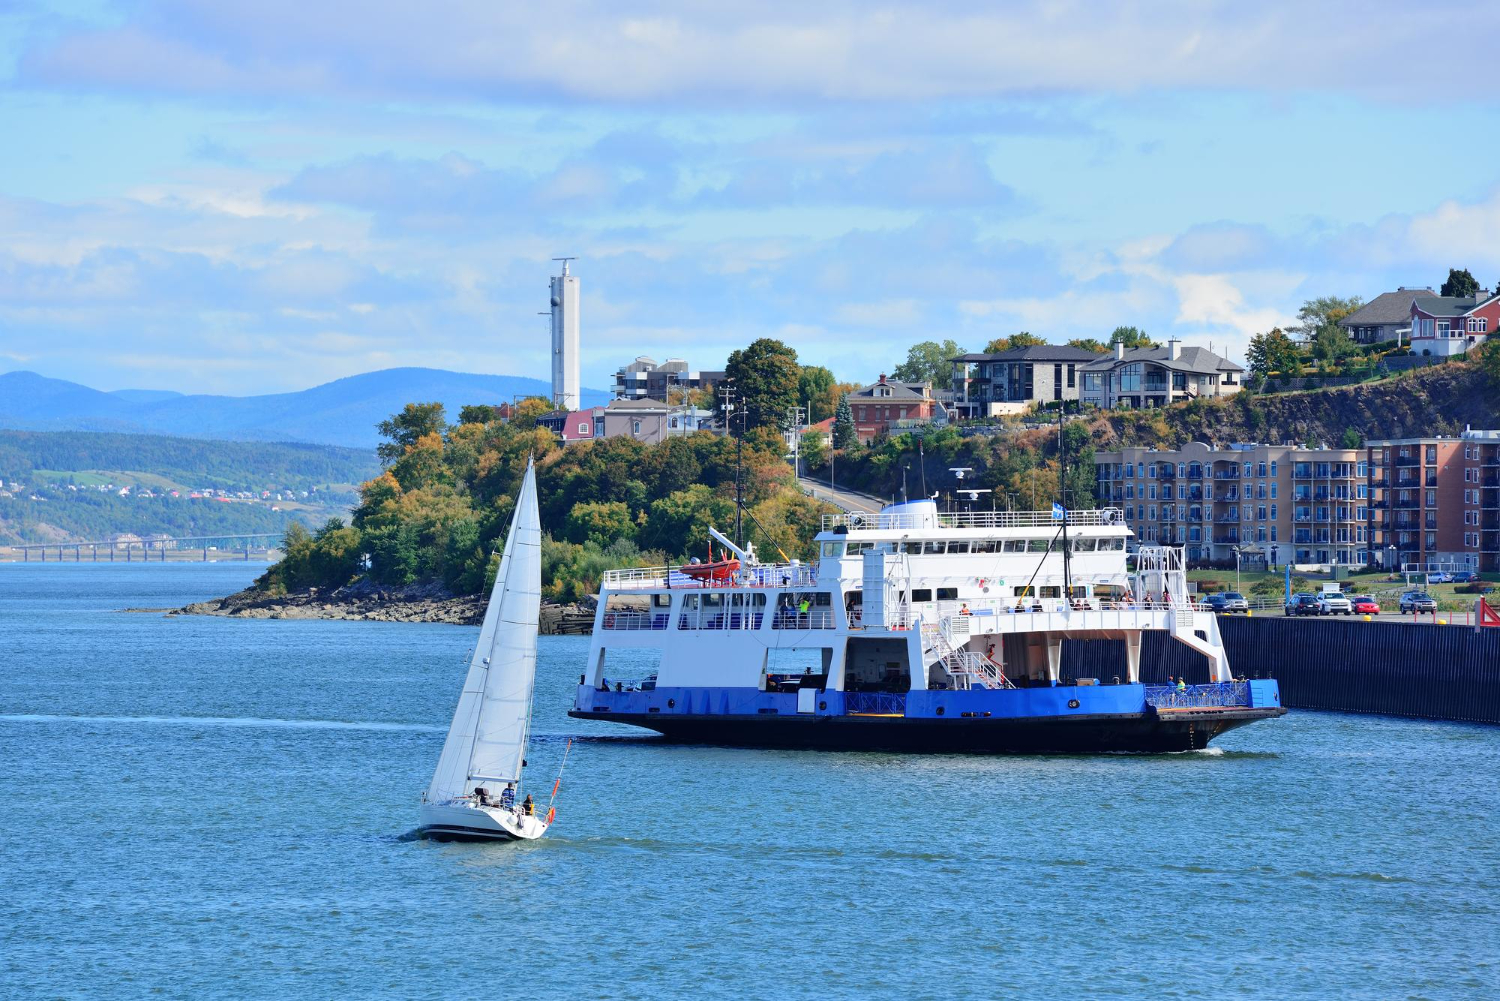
{"x": 466, "y": 822}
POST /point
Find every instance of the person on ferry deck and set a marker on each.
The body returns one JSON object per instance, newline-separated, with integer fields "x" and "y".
{"x": 1182, "y": 684}
{"x": 965, "y": 610}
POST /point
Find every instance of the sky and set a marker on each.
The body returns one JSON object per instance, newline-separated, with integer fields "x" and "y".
{"x": 244, "y": 198}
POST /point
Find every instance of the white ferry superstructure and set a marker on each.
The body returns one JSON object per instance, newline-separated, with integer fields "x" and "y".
{"x": 922, "y": 630}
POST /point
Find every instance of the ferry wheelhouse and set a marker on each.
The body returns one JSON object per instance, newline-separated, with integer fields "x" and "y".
{"x": 917, "y": 629}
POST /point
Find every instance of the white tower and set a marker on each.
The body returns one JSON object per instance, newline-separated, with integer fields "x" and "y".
{"x": 565, "y": 338}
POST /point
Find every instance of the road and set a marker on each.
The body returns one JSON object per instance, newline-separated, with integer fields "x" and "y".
{"x": 849, "y": 500}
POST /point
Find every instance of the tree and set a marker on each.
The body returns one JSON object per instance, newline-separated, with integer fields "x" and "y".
{"x": 479, "y": 413}
{"x": 1272, "y": 352}
{"x": 1331, "y": 343}
{"x": 845, "y": 434}
{"x": 765, "y": 377}
{"x": 600, "y": 521}
{"x": 679, "y": 522}
{"x": 813, "y": 385}
{"x": 814, "y": 450}
{"x": 1089, "y": 344}
{"x": 1460, "y": 283}
{"x": 1489, "y": 359}
{"x": 1024, "y": 339}
{"x": 1351, "y": 439}
{"x": 929, "y": 361}
{"x": 1131, "y": 337}
{"x": 416, "y": 421}
{"x": 1324, "y": 314}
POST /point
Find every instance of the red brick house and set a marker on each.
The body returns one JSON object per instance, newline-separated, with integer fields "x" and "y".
{"x": 878, "y": 407}
{"x": 1451, "y": 325}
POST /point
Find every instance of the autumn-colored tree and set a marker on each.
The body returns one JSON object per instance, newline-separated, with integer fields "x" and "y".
{"x": 1024, "y": 339}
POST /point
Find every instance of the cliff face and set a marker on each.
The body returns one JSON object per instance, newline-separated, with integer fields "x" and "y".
{"x": 1440, "y": 400}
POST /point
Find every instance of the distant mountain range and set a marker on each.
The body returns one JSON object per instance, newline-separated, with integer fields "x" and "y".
{"x": 343, "y": 412}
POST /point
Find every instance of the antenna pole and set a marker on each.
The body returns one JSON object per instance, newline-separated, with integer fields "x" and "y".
{"x": 1062, "y": 491}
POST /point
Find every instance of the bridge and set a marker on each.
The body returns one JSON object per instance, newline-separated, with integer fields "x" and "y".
{"x": 240, "y": 545}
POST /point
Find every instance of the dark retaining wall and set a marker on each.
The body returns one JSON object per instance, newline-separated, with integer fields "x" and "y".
{"x": 1400, "y": 669}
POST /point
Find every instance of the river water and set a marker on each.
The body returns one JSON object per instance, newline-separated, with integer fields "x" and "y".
{"x": 194, "y": 806}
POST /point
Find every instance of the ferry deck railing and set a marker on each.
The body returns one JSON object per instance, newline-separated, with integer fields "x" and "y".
{"x": 974, "y": 519}
{"x": 1214, "y": 696}
{"x": 763, "y": 575}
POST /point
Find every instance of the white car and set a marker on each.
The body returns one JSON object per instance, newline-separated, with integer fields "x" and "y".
{"x": 1334, "y": 603}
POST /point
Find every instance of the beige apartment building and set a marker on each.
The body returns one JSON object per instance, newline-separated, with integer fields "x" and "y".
{"x": 1435, "y": 502}
{"x": 1275, "y": 504}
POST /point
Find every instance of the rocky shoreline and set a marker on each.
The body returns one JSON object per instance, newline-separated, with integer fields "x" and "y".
{"x": 363, "y": 601}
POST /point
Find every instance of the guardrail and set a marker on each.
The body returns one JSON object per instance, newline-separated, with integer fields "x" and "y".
{"x": 973, "y": 519}
{"x": 875, "y": 703}
{"x": 1219, "y": 695}
{"x": 764, "y": 575}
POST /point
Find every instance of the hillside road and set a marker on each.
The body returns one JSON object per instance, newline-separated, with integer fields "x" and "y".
{"x": 849, "y": 500}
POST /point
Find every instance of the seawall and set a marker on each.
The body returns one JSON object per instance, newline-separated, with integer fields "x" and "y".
{"x": 1346, "y": 665}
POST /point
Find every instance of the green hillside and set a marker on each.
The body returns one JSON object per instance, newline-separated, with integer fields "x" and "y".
{"x": 157, "y": 461}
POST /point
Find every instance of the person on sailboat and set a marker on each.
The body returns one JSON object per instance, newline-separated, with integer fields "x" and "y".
{"x": 528, "y": 807}
{"x": 508, "y": 796}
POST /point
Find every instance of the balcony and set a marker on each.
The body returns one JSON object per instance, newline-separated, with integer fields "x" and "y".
{"x": 1226, "y": 540}
{"x": 1408, "y": 460}
{"x": 1409, "y": 482}
{"x": 1227, "y": 475}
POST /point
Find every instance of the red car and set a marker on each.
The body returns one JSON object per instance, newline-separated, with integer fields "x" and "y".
{"x": 1365, "y": 605}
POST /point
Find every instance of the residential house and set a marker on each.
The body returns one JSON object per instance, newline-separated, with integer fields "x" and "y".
{"x": 880, "y": 406}
{"x": 1009, "y": 382}
{"x": 1156, "y": 377}
{"x": 644, "y": 420}
{"x": 645, "y": 379}
{"x": 1451, "y": 325}
{"x": 1274, "y": 504}
{"x": 574, "y": 425}
{"x": 1387, "y": 317}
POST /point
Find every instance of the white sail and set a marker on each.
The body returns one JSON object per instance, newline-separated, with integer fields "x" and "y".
{"x": 487, "y": 738}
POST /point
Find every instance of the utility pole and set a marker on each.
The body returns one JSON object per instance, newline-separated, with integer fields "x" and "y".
{"x": 1062, "y": 492}
{"x": 796, "y": 417}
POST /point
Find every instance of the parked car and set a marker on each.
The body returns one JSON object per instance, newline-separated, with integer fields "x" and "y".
{"x": 1463, "y": 577}
{"x": 1365, "y": 605}
{"x": 1302, "y": 604}
{"x": 1227, "y": 603}
{"x": 1417, "y": 601}
{"x": 1334, "y": 603}
{"x": 1440, "y": 578}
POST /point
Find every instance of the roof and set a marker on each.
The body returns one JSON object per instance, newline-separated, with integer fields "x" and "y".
{"x": 899, "y": 390}
{"x": 1387, "y": 307}
{"x": 1448, "y": 305}
{"x": 1035, "y": 353}
{"x": 1190, "y": 359}
{"x": 646, "y": 405}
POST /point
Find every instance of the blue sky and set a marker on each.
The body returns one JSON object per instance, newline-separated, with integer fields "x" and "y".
{"x": 252, "y": 198}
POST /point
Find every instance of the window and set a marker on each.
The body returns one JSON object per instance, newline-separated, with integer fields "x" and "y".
{"x": 1179, "y": 381}
{"x": 1083, "y": 545}
{"x": 957, "y": 547}
{"x": 984, "y": 546}
{"x": 947, "y": 594}
{"x": 1273, "y": 470}
{"x": 833, "y": 549}
{"x": 1248, "y": 467}
{"x": 635, "y": 427}
{"x": 922, "y": 594}
{"x": 1260, "y": 469}
{"x": 1273, "y": 490}
{"x": 1072, "y": 375}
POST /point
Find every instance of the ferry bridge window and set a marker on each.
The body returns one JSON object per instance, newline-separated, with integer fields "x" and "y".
{"x": 833, "y": 549}
{"x": 922, "y": 594}
{"x": 1039, "y": 545}
{"x": 931, "y": 548}
{"x": 947, "y": 594}
{"x": 985, "y": 546}
{"x": 1083, "y": 545}
{"x": 957, "y": 547}
{"x": 1015, "y": 545}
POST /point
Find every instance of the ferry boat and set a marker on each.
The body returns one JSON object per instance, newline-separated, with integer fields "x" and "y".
{"x": 917, "y": 629}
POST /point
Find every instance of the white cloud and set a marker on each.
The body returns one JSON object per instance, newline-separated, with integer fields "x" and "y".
{"x": 838, "y": 51}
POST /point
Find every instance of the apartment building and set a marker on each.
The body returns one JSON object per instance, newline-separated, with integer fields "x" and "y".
{"x": 645, "y": 379}
{"x": 1274, "y": 504}
{"x": 1436, "y": 500}
{"x": 1482, "y": 497}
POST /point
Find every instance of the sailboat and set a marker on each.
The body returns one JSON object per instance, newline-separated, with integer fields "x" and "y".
{"x": 475, "y": 791}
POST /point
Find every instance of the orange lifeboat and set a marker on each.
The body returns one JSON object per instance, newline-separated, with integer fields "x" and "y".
{"x": 714, "y": 570}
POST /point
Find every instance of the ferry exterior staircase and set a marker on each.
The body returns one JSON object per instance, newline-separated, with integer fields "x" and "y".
{"x": 938, "y": 639}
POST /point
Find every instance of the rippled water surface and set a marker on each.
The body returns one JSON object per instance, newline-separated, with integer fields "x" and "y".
{"x": 212, "y": 806}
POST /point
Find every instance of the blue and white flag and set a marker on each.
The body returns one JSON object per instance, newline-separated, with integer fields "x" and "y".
{"x": 1057, "y": 511}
